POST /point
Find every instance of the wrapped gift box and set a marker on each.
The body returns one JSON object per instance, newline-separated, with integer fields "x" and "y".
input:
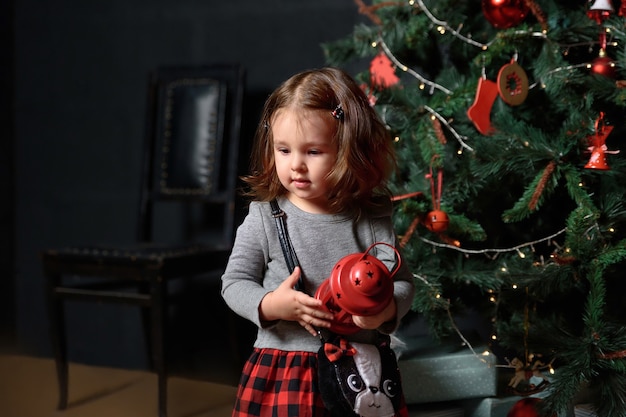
{"x": 433, "y": 372}
{"x": 500, "y": 406}
{"x": 436, "y": 410}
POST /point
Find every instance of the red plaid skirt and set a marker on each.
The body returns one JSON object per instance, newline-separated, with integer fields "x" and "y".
{"x": 277, "y": 383}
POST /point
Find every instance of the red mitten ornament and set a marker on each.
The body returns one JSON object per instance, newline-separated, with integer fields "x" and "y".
{"x": 480, "y": 112}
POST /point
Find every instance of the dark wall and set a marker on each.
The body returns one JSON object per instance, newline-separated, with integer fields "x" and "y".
{"x": 80, "y": 77}
{"x": 7, "y": 179}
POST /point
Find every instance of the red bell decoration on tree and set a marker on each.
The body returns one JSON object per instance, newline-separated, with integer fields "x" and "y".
{"x": 597, "y": 146}
{"x": 503, "y": 14}
{"x": 359, "y": 284}
{"x": 598, "y": 159}
{"x": 437, "y": 221}
{"x": 600, "y": 10}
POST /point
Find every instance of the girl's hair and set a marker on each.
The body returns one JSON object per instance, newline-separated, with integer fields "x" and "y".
{"x": 365, "y": 156}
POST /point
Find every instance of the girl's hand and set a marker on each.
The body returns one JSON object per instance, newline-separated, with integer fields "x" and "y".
{"x": 374, "y": 322}
{"x": 285, "y": 303}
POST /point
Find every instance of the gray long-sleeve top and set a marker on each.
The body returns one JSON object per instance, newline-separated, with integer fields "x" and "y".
{"x": 257, "y": 265}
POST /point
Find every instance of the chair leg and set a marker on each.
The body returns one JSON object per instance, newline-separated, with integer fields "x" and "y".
{"x": 158, "y": 341}
{"x": 56, "y": 313}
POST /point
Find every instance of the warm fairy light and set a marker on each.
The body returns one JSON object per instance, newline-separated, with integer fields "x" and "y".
{"x": 514, "y": 286}
{"x": 580, "y": 184}
{"x": 441, "y": 30}
{"x": 374, "y": 44}
{"x": 492, "y": 299}
{"x": 486, "y": 353}
{"x": 484, "y": 48}
{"x": 411, "y": 2}
{"x": 611, "y": 230}
{"x": 396, "y": 139}
{"x": 494, "y": 337}
{"x": 438, "y": 296}
{"x": 460, "y": 151}
{"x": 422, "y": 86}
{"x": 503, "y": 269}
{"x": 521, "y": 254}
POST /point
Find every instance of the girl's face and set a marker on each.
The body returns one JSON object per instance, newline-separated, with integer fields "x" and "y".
{"x": 304, "y": 153}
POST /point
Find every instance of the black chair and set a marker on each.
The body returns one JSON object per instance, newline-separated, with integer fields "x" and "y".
{"x": 191, "y": 153}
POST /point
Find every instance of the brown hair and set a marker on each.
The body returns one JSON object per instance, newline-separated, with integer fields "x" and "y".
{"x": 365, "y": 156}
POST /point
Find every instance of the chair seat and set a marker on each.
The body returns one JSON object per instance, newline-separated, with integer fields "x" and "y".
{"x": 130, "y": 262}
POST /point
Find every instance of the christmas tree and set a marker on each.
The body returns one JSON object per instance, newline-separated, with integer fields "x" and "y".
{"x": 510, "y": 189}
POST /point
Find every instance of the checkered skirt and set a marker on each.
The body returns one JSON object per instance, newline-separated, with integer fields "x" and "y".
{"x": 277, "y": 383}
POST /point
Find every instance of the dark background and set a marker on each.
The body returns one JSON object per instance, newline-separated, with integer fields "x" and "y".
{"x": 72, "y": 100}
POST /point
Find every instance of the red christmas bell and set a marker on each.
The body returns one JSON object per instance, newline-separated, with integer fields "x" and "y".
{"x": 436, "y": 221}
{"x": 504, "y": 14}
{"x": 598, "y": 159}
{"x": 600, "y": 10}
{"x": 359, "y": 284}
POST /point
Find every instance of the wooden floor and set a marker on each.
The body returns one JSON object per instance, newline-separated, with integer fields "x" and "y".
{"x": 28, "y": 388}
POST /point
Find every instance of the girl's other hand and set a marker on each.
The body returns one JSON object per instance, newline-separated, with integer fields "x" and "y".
{"x": 374, "y": 322}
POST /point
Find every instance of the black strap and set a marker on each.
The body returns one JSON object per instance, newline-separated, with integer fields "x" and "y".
{"x": 285, "y": 242}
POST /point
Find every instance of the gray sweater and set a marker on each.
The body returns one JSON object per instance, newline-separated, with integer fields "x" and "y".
{"x": 257, "y": 265}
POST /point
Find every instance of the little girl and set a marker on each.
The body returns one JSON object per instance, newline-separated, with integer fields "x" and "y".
{"x": 324, "y": 154}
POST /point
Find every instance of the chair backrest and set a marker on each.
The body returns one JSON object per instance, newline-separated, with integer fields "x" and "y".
{"x": 193, "y": 128}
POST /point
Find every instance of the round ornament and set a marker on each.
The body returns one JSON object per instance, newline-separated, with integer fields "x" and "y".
{"x": 437, "y": 221}
{"x": 512, "y": 84}
{"x": 525, "y": 407}
{"x": 503, "y": 14}
{"x": 603, "y": 65}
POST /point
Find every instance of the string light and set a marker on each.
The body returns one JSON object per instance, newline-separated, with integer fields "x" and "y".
{"x": 408, "y": 70}
{"x": 493, "y": 250}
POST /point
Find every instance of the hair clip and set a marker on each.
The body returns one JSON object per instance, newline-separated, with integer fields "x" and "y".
{"x": 338, "y": 112}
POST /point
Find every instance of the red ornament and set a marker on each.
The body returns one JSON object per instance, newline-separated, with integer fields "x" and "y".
{"x": 437, "y": 221}
{"x": 480, "y": 111}
{"x": 512, "y": 84}
{"x": 526, "y": 407}
{"x": 603, "y": 65}
{"x": 600, "y": 10}
{"x": 503, "y": 14}
{"x": 382, "y": 72}
{"x": 359, "y": 284}
{"x": 597, "y": 146}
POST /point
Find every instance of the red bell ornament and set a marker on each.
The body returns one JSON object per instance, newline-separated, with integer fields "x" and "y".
{"x": 437, "y": 221}
{"x": 598, "y": 159}
{"x": 600, "y": 10}
{"x": 504, "y": 14}
{"x": 359, "y": 284}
